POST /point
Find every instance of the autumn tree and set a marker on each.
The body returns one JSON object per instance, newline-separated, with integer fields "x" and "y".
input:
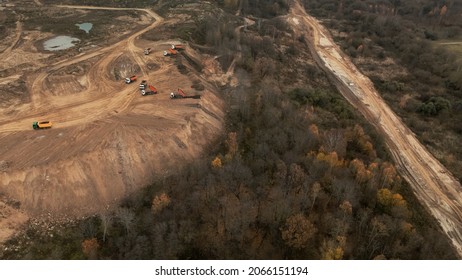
{"x": 297, "y": 175}
{"x": 216, "y": 163}
{"x": 333, "y": 249}
{"x": 392, "y": 202}
{"x": 346, "y": 208}
{"x": 331, "y": 159}
{"x": 297, "y": 231}
{"x": 90, "y": 248}
{"x": 362, "y": 175}
{"x": 159, "y": 202}
{"x": 389, "y": 175}
{"x": 314, "y": 130}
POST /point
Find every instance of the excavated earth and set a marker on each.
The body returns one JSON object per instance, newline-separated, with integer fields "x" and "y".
{"x": 107, "y": 140}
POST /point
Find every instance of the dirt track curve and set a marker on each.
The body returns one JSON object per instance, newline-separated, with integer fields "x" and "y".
{"x": 433, "y": 184}
{"x": 107, "y": 140}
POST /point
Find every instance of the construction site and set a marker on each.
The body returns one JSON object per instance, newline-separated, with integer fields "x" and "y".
{"x": 112, "y": 125}
{"x": 99, "y": 102}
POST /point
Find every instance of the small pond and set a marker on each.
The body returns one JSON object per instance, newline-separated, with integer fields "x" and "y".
{"x": 59, "y": 43}
{"x": 86, "y": 26}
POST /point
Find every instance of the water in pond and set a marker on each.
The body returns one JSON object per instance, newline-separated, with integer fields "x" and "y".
{"x": 86, "y": 26}
{"x": 59, "y": 43}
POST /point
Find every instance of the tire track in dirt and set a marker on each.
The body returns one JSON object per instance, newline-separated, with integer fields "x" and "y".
{"x": 433, "y": 184}
{"x": 99, "y": 90}
{"x": 18, "y": 33}
{"x": 9, "y": 79}
{"x": 107, "y": 140}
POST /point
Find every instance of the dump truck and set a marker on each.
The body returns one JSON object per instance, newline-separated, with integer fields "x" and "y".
{"x": 170, "y": 52}
{"x": 180, "y": 94}
{"x": 143, "y": 85}
{"x": 152, "y": 90}
{"x": 177, "y": 47}
{"x": 130, "y": 80}
{"x": 41, "y": 125}
{"x": 147, "y": 51}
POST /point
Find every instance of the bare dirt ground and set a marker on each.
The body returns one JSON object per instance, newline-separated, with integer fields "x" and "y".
{"x": 432, "y": 183}
{"x": 107, "y": 140}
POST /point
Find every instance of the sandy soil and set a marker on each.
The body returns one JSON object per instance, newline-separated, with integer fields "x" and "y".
{"x": 107, "y": 140}
{"x": 432, "y": 183}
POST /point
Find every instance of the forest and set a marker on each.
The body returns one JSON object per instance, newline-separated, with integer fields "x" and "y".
{"x": 425, "y": 85}
{"x": 298, "y": 173}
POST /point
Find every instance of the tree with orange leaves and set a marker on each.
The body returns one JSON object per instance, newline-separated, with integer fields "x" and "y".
{"x": 160, "y": 202}
{"x": 297, "y": 231}
{"x": 90, "y": 248}
{"x": 216, "y": 163}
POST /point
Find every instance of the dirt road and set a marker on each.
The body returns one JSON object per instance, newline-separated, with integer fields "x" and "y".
{"x": 107, "y": 140}
{"x": 432, "y": 183}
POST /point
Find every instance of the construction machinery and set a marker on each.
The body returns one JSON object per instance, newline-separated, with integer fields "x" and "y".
{"x": 170, "y": 52}
{"x": 41, "y": 125}
{"x": 152, "y": 90}
{"x": 143, "y": 85}
{"x": 180, "y": 94}
{"x": 143, "y": 88}
{"x": 130, "y": 80}
{"x": 147, "y": 51}
{"x": 177, "y": 47}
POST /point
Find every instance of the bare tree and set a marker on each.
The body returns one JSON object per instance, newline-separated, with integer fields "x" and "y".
{"x": 334, "y": 141}
{"x": 106, "y": 222}
{"x": 315, "y": 189}
{"x": 126, "y": 217}
{"x": 264, "y": 67}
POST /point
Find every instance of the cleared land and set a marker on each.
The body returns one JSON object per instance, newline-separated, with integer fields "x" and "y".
{"x": 107, "y": 140}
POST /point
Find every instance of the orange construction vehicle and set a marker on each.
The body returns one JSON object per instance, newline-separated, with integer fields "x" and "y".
{"x": 152, "y": 90}
{"x": 170, "y": 52}
{"x": 130, "y": 80}
{"x": 177, "y": 47}
{"x": 180, "y": 94}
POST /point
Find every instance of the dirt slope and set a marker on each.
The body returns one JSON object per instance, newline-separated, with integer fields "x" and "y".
{"x": 107, "y": 140}
{"x": 4, "y": 55}
{"x": 433, "y": 184}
